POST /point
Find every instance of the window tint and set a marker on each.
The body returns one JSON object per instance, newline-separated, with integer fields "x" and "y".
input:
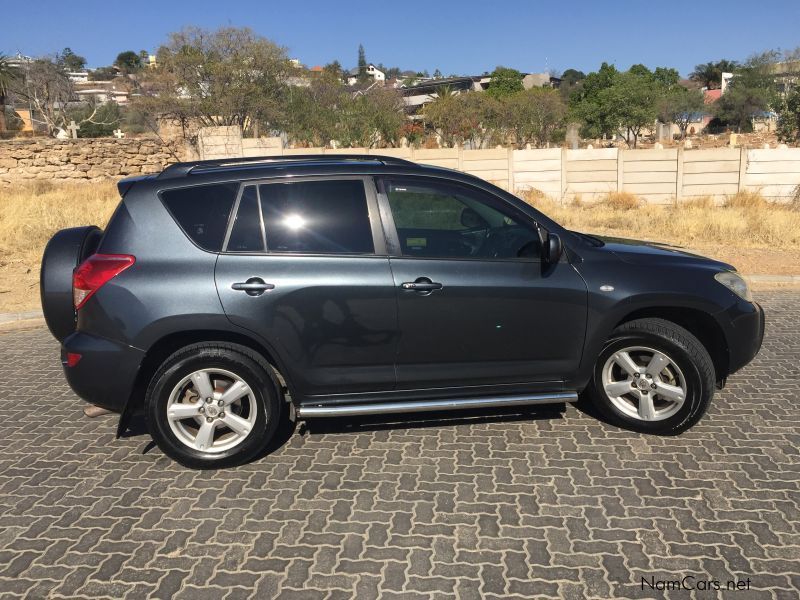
{"x": 203, "y": 212}
{"x": 316, "y": 216}
{"x": 448, "y": 221}
{"x": 246, "y": 231}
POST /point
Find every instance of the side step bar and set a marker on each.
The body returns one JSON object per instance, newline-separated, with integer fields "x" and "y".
{"x": 351, "y": 410}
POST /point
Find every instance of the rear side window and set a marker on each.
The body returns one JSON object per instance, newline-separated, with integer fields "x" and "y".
{"x": 202, "y": 212}
{"x": 320, "y": 217}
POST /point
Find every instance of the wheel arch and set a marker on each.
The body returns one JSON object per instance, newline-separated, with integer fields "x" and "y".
{"x": 699, "y": 323}
{"x": 172, "y": 342}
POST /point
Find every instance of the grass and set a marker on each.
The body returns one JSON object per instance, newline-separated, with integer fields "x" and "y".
{"x": 30, "y": 214}
{"x": 745, "y": 229}
{"x": 745, "y": 220}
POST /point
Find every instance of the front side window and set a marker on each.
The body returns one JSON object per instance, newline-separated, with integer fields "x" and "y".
{"x": 319, "y": 217}
{"x": 440, "y": 220}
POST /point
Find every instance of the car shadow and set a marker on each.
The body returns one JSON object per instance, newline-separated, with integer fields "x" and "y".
{"x": 137, "y": 425}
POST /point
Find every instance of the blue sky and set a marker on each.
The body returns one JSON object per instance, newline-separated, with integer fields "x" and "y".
{"x": 463, "y": 37}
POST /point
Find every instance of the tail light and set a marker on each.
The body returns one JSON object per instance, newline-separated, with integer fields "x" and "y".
{"x": 96, "y": 271}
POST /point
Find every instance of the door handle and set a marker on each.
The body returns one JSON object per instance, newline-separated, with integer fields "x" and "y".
{"x": 421, "y": 284}
{"x": 255, "y": 286}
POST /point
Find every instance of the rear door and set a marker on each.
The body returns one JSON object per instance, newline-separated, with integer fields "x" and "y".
{"x": 305, "y": 267}
{"x": 476, "y": 305}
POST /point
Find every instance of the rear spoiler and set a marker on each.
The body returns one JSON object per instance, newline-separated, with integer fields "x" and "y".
{"x": 124, "y": 185}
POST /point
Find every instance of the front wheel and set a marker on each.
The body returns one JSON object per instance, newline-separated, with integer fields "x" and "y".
{"x": 653, "y": 376}
{"x": 213, "y": 405}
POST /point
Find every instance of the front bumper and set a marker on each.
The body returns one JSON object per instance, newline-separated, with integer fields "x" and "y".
{"x": 105, "y": 374}
{"x": 745, "y": 334}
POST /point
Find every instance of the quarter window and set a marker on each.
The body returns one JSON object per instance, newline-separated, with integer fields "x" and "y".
{"x": 321, "y": 217}
{"x": 202, "y": 212}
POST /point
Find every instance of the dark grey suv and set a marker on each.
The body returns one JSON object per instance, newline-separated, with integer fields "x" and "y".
{"x": 227, "y": 296}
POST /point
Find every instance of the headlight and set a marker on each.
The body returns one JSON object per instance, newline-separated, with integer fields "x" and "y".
{"x": 735, "y": 283}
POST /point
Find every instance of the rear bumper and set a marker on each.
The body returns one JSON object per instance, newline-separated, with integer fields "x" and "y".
{"x": 745, "y": 334}
{"x": 106, "y": 372}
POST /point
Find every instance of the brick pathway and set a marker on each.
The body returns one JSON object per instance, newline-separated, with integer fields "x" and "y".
{"x": 536, "y": 504}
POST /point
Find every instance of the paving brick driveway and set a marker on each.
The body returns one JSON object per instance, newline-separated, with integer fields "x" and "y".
{"x": 514, "y": 504}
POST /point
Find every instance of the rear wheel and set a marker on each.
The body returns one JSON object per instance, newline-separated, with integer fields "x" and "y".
{"x": 653, "y": 376}
{"x": 213, "y": 405}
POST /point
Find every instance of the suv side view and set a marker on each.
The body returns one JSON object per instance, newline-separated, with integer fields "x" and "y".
{"x": 226, "y": 296}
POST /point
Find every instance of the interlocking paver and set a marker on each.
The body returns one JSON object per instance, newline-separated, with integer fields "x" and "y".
{"x": 516, "y": 504}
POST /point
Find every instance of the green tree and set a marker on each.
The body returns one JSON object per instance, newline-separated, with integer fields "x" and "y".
{"x": 230, "y": 76}
{"x": 128, "y": 62}
{"x": 789, "y": 117}
{"x": 587, "y": 104}
{"x": 533, "y": 116}
{"x": 71, "y": 61}
{"x": 99, "y": 121}
{"x": 710, "y": 74}
{"x": 751, "y": 91}
{"x": 504, "y": 82}
{"x": 610, "y": 102}
{"x": 334, "y": 68}
{"x": 680, "y": 106}
{"x": 362, "y": 63}
{"x": 102, "y": 74}
{"x": 8, "y": 76}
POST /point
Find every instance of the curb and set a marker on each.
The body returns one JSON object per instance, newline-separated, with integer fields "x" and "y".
{"x": 37, "y": 316}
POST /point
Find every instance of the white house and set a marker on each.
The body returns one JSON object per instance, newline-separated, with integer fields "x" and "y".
{"x": 372, "y": 71}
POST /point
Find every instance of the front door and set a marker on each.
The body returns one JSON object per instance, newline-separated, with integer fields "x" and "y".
{"x": 476, "y": 305}
{"x": 305, "y": 268}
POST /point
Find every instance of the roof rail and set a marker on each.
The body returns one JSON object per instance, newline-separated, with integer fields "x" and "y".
{"x": 182, "y": 169}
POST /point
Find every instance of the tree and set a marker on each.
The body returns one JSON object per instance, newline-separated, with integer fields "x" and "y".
{"x": 680, "y": 106}
{"x": 128, "y": 62}
{"x": 230, "y": 76}
{"x": 458, "y": 118}
{"x": 504, "y": 82}
{"x": 534, "y": 115}
{"x": 437, "y": 74}
{"x": 48, "y": 89}
{"x": 8, "y": 76}
{"x": 362, "y": 63}
{"x": 710, "y": 74}
{"x": 751, "y": 91}
{"x": 789, "y": 117}
{"x": 572, "y": 76}
{"x": 70, "y": 60}
{"x": 586, "y": 103}
{"x": 102, "y": 74}
{"x": 334, "y": 68}
{"x": 624, "y": 103}
{"x": 100, "y": 121}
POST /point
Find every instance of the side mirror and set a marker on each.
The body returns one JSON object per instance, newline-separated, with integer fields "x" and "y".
{"x": 553, "y": 248}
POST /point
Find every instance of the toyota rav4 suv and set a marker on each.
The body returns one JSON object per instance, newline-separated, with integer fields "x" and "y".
{"x": 226, "y": 296}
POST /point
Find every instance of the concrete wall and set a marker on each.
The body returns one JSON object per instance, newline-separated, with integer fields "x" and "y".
{"x": 83, "y": 159}
{"x": 659, "y": 176}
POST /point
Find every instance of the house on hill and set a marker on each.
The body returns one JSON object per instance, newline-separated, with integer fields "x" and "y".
{"x": 372, "y": 71}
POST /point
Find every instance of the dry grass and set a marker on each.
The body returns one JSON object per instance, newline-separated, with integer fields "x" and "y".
{"x": 745, "y": 220}
{"x": 753, "y": 234}
{"x": 30, "y": 214}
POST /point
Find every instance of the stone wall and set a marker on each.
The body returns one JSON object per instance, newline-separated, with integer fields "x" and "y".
{"x": 84, "y": 159}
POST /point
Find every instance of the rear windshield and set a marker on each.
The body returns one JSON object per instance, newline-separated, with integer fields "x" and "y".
{"x": 203, "y": 211}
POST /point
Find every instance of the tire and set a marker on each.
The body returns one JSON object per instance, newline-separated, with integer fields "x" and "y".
{"x": 173, "y": 389}
{"x": 679, "y": 390}
{"x": 66, "y": 250}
